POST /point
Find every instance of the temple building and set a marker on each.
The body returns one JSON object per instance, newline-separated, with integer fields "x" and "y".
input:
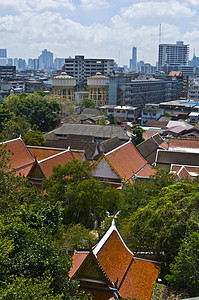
{"x": 110, "y": 270}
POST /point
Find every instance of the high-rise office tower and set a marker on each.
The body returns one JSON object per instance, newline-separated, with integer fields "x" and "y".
{"x": 133, "y": 60}
{"x": 3, "y": 57}
{"x": 173, "y": 54}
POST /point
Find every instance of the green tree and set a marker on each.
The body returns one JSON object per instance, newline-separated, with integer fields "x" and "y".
{"x": 34, "y": 138}
{"x": 163, "y": 222}
{"x": 5, "y": 115}
{"x": 185, "y": 269}
{"x": 102, "y": 121}
{"x": 88, "y": 103}
{"x": 77, "y": 236}
{"x": 112, "y": 120}
{"x": 137, "y": 132}
{"x": 14, "y": 128}
{"x": 39, "y": 112}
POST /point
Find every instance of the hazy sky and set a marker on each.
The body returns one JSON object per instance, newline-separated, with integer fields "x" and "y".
{"x": 96, "y": 28}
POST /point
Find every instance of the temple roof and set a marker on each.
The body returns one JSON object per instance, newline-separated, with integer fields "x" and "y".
{"x": 61, "y": 158}
{"x": 133, "y": 277}
{"x": 20, "y": 156}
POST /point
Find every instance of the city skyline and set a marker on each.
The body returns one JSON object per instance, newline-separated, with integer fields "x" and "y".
{"x": 97, "y": 28}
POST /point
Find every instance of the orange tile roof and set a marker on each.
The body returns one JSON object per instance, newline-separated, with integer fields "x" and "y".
{"x": 126, "y": 160}
{"x": 61, "y": 158}
{"x": 24, "y": 171}
{"x": 147, "y": 134}
{"x": 43, "y": 152}
{"x": 114, "y": 258}
{"x": 21, "y": 156}
{"x": 164, "y": 145}
{"x": 139, "y": 279}
{"x": 146, "y": 172}
{"x": 78, "y": 259}
{"x": 133, "y": 277}
{"x": 79, "y": 155}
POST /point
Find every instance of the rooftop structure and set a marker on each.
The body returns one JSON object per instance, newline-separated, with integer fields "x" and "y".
{"x": 110, "y": 269}
{"x": 122, "y": 164}
{"x": 95, "y": 132}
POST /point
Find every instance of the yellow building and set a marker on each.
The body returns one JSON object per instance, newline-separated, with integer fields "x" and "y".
{"x": 98, "y": 89}
{"x": 63, "y": 85}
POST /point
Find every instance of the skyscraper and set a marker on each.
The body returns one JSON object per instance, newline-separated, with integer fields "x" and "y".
{"x": 173, "y": 54}
{"x": 46, "y": 60}
{"x": 3, "y": 57}
{"x": 133, "y": 60}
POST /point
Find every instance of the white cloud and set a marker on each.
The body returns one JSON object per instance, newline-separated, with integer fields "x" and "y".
{"x": 29, "y": 5}
{"x": 194, "y": 2}
{"x": 44, "y": 4}
{"x": 154, "y": 8}
{"x": 27, "y": 33}
{"x": 94, "y": 4}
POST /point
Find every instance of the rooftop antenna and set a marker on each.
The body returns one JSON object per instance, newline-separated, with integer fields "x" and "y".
{"x": 160, "y": 34}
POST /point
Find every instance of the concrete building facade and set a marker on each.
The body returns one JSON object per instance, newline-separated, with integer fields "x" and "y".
{"x": 98, "y": 89}
{"x": 81, "y": 68}
{"x": 63, "y": 85}
{"x": 124, "y": 91}
{"x": 173, "y": 54}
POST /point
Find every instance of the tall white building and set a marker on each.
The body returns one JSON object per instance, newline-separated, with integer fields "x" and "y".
{"x": 173, "y": 54}
{"x": 81, "y": 68}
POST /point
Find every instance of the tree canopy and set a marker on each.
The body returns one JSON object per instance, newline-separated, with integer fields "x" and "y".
{"x": 39, "y": 112}
{"x": 88, "y": 103}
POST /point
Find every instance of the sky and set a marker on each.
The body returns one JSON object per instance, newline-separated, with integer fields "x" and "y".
{"x": 97, "y": 28}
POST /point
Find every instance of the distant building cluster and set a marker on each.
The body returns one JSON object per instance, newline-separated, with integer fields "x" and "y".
{"x": 43, "y": 62}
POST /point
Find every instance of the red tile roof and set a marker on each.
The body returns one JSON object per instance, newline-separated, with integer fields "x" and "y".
{"x": 24, "y": 171}
{"x": 21, "y": 156}
{"x": 78, "y": 259}
{"x": 164, "y": 145}
{"x": 147, "y": 134}
{"x": 183, "y": 171}
{"x": 62, "y": 158}
{"x": 126, "y": 160}
{"x": 184, "y": 145}
{"x": 146, "y": 172}
{"x": 41, "y": 153}
{"x": 79, "y": 155}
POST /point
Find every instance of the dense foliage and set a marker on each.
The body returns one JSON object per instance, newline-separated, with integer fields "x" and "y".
{"x": 161, "y": 217}
{"x": 88, "y": 103}
{"x": 39, "y": 112}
